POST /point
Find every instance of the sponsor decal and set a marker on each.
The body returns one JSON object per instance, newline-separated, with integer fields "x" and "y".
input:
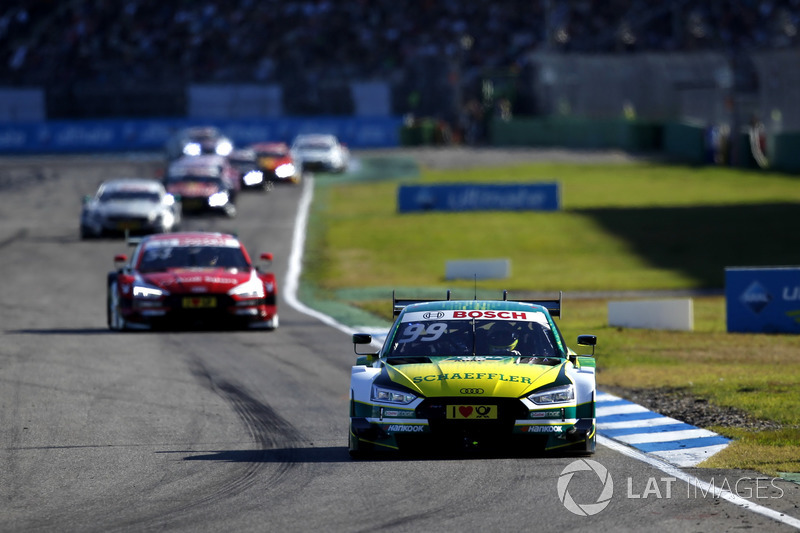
{"x": 469, "y": 314}
{"x": 398, "y": 414}
{"x": 403, "y": 428}
{"x": 471, "y": 412}
{"x": 473, "y": 375}
{"x": 545, "y": 429}
{"x": 545, "y": 414}
{"x": 508, "y": 315}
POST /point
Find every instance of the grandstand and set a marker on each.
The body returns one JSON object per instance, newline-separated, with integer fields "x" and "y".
{"x": 687, "y": 59}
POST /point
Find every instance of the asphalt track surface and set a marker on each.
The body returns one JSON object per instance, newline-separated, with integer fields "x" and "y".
{"x": 222, "y": 431}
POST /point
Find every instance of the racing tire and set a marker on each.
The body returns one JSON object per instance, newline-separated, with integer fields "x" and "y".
{"x": 113, "y": 315}
{"x": 358, "y": 450}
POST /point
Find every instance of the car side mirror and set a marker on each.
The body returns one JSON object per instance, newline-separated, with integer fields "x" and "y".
{"x": 588, "y": 340}
{"x": 120, "y": 260}
{"x": 364, "y": 338}
{"x": 266, "y": 257}
{"x": 87, "y": 199}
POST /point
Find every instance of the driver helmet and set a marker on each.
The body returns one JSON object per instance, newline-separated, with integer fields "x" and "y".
{"x": 503, "y": 339}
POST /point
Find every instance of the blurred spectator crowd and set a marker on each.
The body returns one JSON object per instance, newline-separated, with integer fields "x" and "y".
{"x": 45, "y": 42}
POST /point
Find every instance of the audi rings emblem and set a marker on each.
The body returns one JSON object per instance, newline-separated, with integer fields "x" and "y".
{"x": 429, "y": 315}
{"x": 471, "y": 391}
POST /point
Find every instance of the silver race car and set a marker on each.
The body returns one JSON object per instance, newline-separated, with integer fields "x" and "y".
{"x": 129, "y": 206}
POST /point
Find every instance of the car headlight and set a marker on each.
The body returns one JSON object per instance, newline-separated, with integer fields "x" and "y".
{"x": 254, "y": 177}
{"x": 251, "y": 289}
{"x": 147, "y": 292}
{"x": 285, "y": 170}
{"x": 560, "y": 394}
{"x": 192, "y": 149}
{"x": 380, "y": 394}
{"x": 224, "y": 148}
{"x": 218, "y": 199}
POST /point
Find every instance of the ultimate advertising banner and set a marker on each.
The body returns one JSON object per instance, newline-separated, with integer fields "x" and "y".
{"x": 479, "y": 197}
{"x": 763, "y": 300}
{"x": 94, "y": 136}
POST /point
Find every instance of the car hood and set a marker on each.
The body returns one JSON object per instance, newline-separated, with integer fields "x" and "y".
{"x": 501, "y": 377}
{"x": 197, "y": 280}
{"x": 126, "y": 208}
{"x": 192, "y": 188}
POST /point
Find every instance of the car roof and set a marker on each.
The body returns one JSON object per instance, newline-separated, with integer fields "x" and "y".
{"x": 269, "y": 146}
{"x": 192, "y": 238}
{"x": 315, "y": 137}
{"x": 132, "y": 184}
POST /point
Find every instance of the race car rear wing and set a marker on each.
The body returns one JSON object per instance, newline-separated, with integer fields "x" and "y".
{"x": 553, "y": 306}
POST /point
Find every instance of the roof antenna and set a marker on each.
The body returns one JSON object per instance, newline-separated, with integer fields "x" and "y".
{"x": 476, "y": 285}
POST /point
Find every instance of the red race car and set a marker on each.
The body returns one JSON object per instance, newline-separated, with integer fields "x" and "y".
{"x": 188, "y": 280}
{"x": 276, "y": 162}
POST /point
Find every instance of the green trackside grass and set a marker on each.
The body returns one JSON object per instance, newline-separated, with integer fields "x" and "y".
{"x": 636, "y": 226}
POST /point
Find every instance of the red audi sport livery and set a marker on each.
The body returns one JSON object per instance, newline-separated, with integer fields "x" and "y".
{"x": 191, "y": 279}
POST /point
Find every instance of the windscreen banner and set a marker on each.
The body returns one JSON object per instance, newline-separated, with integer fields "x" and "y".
{"x": 479, "y": 197}
{"x": 763, "y": 300}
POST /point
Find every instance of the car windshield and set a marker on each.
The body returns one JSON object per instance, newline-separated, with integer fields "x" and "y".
{"x": 117, "y": 196}
{"x": 160, "y": 258}
{"x": 532, "y": 337}
{"x": 215, "y": 180}
{"x": 314, "y": 146}
{"x": 274, "y": 154}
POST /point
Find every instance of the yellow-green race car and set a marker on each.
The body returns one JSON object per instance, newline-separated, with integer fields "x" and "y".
{"x": 485, "y": 375}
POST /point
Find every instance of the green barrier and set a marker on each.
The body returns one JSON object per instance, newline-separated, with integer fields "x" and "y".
{"x": 785, "y": 153}
{"x": 571, "y": 132}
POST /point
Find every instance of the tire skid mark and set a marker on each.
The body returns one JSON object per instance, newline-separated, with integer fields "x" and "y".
{"x": 266, "y": 427}
{"x": 269, "y": 431}
{"x": 18, "y": 236}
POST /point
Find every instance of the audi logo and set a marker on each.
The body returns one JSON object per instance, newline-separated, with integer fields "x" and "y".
{"x": 471, "y": 391}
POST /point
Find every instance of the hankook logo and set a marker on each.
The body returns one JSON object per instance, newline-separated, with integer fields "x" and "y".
{"x": 471, "y": 391}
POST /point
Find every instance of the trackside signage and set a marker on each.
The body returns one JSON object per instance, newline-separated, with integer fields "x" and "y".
{"x": 763, "y": 300}
{"x": 76, "y": 136}
{"x": 479, "y": 197}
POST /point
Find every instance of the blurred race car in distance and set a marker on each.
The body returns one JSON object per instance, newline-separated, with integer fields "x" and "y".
{"x": 320, "y": 151}
{"x": 188, "y": 280}
{"x": 243, "y": 161}
{"x": 129, "y": 205}
{"x": 456, "y": 375}
{"x": 205, "y": 183}
{"x": 276, "y": 163}
{"x": 198, "y": 140}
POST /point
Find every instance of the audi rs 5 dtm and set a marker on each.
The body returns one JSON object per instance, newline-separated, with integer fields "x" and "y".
{"x": 473, "y": 374}
{"x": 191, "y": 279}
